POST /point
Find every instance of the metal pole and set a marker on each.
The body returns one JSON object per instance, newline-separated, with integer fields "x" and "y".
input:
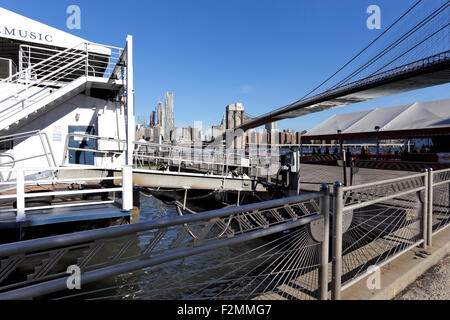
{"x": 325, "y": 246}
{"x": 344, "y": 166}
{"x": 337, "y": 240}
{"x": 424, "y": 225}
{"x": 127, "y": 186}
{"x": 87, "y": 60}
{"x": 20, "y": 195}
{"x": 430, "y": 207}
{"x": 130, "y": 102}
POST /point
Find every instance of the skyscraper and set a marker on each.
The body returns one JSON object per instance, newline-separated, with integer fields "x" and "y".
{"x": 152, "y": 119}
{"x": 169, "y": 120}
{"x": 161, "y": 117}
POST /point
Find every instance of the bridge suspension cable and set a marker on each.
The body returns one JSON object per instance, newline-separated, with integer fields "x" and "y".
{"x": 363, "y": 50}
{"x": 396, "y": 43}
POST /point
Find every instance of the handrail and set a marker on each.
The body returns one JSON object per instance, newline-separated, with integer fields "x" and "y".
{"x": 113, "y": 232}
{"x": 21, "y": 182}
{"x": 46, "y": 147}
{"x": 39, "y": 63}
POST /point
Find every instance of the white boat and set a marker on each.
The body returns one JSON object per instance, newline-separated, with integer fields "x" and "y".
{"x": 65, "y": 120}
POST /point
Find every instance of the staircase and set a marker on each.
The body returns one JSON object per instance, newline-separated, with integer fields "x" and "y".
{"x": 50, "y": 78}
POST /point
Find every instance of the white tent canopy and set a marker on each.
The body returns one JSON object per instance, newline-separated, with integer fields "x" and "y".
{"x": 419, "y": 115}
{"x": 17, "y": 27}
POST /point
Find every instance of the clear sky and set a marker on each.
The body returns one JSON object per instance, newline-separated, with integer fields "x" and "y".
{"x": 211, "y": 53}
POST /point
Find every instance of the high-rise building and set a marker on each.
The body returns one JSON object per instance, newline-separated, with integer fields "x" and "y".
{"x": 161, "y": 117}
{"x": 152, "y": 119}
{"x": 218, "y": 130}
{"x": 271, "y": 127}
{"x": 235, "y": 118}
{"x": 169, "y": 119}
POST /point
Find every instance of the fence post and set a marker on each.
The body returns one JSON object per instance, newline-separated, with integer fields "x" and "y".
{"x": 325, "y": 246}
{"x": 127, "y": 188}
{"x": 424, "y": 225}
{"x": 20, "y": 194}
{"x": 338, "y": 196}
{"x": 430, "y": 207}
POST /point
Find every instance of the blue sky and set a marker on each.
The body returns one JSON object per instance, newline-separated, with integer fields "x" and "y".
{"x": 210, "y": 53}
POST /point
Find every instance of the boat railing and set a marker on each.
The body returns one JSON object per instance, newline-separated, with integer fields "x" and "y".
{"x": 97, "y": 64}
{"x": 103, "y": 146}
{"x": 43, "y": 71}
{"x": 8, "y": 142}
{"x": 28, "y": 195}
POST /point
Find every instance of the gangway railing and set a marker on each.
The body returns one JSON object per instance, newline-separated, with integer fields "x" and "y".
{"x": 218, "y": 161}
{"x": 147, "y": 154}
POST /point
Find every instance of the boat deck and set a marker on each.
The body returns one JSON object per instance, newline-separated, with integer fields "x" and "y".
{"x": 63, "y": 215}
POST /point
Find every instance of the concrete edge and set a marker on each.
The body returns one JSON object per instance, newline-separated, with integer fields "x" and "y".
{"x": 403, "y": 271}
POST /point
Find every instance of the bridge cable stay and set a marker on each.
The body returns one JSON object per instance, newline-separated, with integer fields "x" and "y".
{"x": 363, "y": 50}
{"x": 275, "y": 263}
{"x": 396, "y": 43}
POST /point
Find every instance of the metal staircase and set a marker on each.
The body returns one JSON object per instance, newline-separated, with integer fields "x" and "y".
{"x": 48, "y": 77}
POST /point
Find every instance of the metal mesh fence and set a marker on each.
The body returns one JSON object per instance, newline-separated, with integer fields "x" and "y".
{"x": 380, "y": 231}
{"x": 441, "y": 200}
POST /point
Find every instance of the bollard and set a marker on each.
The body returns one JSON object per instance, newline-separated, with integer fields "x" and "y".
{"x": 338, "y": 196}
{"x": 424, "y": 224}
{"x": 430, "y": 207}
{"x": 325, "y": 246}
{"x": 127, "y": 186}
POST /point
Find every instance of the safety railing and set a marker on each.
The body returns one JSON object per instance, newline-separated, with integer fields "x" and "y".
{"x": 375, "y": 223}
{"x": 61, "y": 192}
{"x": 12, "y": 160}
{"x": 254, "y": 274}
{"x": 100, "y": 62}
{"x": 210, "y": 160}
{"x": 103, "y": 146}
{"x": 439, "y": 195}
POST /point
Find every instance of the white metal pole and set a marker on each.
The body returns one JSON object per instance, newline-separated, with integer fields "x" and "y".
{"x": 127, "y": 188}
{"x": 20, "y": 195}
{"x": 127, "y": 182}
{"x": 130, "y": 102}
